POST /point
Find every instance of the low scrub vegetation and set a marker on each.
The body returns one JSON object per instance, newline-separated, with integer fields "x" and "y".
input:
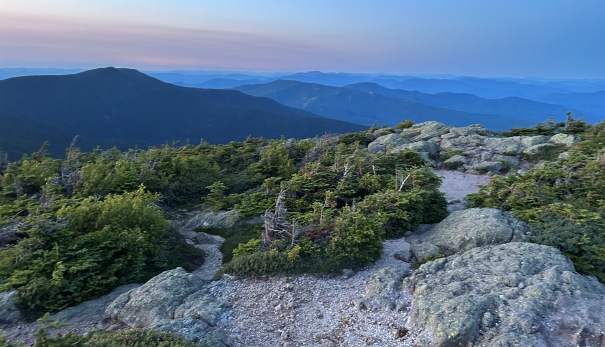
{"x": 563, "y": 200}
{"x": 121, "y": 338}
{"x": 78, "y": 227}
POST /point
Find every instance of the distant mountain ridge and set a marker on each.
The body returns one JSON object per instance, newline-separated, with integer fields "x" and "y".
{"x": 514, "y": 108}
{"x": 127, "y": 108}
{"x": 365, "y": 103}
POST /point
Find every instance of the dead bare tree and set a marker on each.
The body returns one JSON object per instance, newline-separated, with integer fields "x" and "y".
{"x": 400, "y": 180}
{"x": 70, "y": 168}
{"x": 277, "y": 226}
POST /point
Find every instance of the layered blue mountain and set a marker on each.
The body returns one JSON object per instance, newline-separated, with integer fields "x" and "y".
{"x": 366, "y": 103}
{"x": 509, "y": 107}
{"x": 126, "y": 108}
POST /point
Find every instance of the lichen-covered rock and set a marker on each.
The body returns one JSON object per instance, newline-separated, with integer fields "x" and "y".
{"x": 461, "y": 143}
{"x": 9, "y": 314}
{"x": 513, "y": 294}
{"x": 382, "y": 290}
{"x": 424, "y": 131}
{"x": 173, "y": 301}
{"x": 504, "y": 145}
{"x": 221, "y": 219}
{"x": 466, "y": 229}
{"x": 92, "y": 309}
{"x": 384, "y": 143}
{"x": 473, "y": 129}
{"x": 529, "y": 141}
{"x": 564, "y": 139}
{"x": 433, "y": 140}
{"x": 542, "y": 151}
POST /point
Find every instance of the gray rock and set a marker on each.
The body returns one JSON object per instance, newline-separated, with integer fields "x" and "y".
{"x": 428, "y": 147}
{"x": 564, "y": 139}
{"x": 528, "y": 141}
{"x": 505, "y": 145}
{"x": 541, "y": 150}
{"x": 404, "y": 255}
{"x": 173, "y": 301}
{"x": 221, "y": 219}
{"x": 473, "y": 129}
{"x": 481, "y": 150}
{"x": 91, "y": 310}
{"x": 507, "y": 160}
{"x": 9, "y": 313}
{"x": 382, "y": 291}
{"x": 476, "y": 298}
{"x": 424, "y": 131}
{"x": 467, "y": 229}
{"x": 455, "y": 162}
{"x": 484, "y": 167}
{"x": 384, "y": 143}
{"x": 461, "y": 143}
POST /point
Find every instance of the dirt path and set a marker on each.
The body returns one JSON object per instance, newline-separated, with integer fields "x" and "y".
{"x": 321, "y": 310}
{"x": 210, "y": 247}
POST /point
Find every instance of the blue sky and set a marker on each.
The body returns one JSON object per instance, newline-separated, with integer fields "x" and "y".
{"x": 516, "y": 38}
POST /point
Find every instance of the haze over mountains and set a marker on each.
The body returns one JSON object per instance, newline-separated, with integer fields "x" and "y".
{"x": 125, "y": 108}
{"x": 524, "y": 100}
{"x": 365, "y": 103}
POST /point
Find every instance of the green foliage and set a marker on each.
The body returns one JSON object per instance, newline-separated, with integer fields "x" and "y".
{"x": 448, "y": 155}
{"x": 404, "y": 124}
{"x": 29, "y": 175}
{"x": 564, "y": 201}
{"x": 121, "y": 338}
{"x": 85, "y": 249}
{"x": 86, "y": 224}
{"x": 138, "y": 338}
{"x": 432, "y": 257}
{"x": 254, "y": 204}
{"x": 274, "y": 161}
{"x": 549, "y": 128}
{"x": 402, "y": 211}
{"x": 363, "y": 138}
{"x": 582, "y": 242}
{"x": 320, "y": 231}
{"x": 356, "y": 239}
{"x": 216, "y": 198}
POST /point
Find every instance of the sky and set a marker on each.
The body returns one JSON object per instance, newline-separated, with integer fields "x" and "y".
{"x": 497, "y": 38}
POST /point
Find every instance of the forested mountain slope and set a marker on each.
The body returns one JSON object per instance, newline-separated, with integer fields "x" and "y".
{"x": 127, "y": 108}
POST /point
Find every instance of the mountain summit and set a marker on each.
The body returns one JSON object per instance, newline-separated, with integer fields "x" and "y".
{"x": 126, "y": 108}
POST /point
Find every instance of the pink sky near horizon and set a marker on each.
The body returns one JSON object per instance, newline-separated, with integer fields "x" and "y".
{"x": 548, "y": 38}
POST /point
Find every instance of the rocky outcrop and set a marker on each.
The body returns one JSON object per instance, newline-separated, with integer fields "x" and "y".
{"x": 467, "y": 229}
{"x": 9, "y": 314}
{"x": 174, "y": 301}
{"x": 90, "y": 310}
{"x": 472, "y": 148}
{"x": 513, "y": 294}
